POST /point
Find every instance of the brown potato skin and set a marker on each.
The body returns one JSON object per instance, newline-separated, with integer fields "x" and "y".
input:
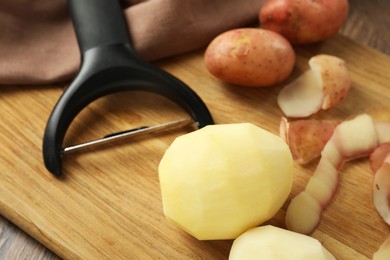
{"x": 250, "y": 57}
{"x": 304, "y": 21}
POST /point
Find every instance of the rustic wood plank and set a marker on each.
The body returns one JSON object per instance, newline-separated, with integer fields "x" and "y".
{"x": 15, "y": 244}
{"x": 368, "y": 23}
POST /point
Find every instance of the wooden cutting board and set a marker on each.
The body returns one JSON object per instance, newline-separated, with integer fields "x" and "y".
{"x": 108, "y": 205}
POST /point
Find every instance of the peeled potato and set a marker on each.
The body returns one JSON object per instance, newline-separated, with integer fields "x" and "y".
{"x": 221, "y": 180}
{"x": 273, "y": 243}
{"x": 250, "y": 57}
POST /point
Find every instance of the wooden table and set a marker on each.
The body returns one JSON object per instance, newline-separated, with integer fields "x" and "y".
{"x": 368, "y": 24}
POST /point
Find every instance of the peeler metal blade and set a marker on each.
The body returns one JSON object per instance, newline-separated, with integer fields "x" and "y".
{"x": 143, "y": 130}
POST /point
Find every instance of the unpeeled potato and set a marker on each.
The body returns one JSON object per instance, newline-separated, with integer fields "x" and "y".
{"x": 304, "y": 21}
{"x": 250, "y": 57}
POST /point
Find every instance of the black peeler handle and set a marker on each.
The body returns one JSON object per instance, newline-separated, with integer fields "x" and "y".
{"x": 109, "y": 65}
{"x": 97, "y": 23}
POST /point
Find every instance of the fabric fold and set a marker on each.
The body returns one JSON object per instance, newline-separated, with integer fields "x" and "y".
{"x": 38, "y": 44}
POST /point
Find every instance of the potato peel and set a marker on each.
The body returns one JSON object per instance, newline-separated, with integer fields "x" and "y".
{"x": 324, "y": 85}
{"x": 377, "y": 157}
{"x": 345, "y": 144}
{"x": 381, "y": 189}
{"x": 306, "y": 138}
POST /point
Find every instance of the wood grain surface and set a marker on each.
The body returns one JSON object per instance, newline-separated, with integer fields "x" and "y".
{"x": 367, "y": 24}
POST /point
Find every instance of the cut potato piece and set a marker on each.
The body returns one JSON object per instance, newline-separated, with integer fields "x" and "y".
{"x": 325, "y": 84}
{"x": 273, "y": 243}
{"x": 221, "y": 180}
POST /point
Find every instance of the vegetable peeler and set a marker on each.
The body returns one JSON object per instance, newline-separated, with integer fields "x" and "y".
{"x": 109, "y": 65}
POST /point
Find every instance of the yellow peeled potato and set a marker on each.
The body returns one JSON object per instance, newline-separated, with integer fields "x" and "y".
{"x": 251, "y": 57}
{"x": 273, "y": 243}
{"x": 221, "y": 180}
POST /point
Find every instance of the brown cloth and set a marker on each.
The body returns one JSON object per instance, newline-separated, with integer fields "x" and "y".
{"x": 38, "y": 44}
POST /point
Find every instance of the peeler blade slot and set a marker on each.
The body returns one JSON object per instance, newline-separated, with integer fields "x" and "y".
{"x": 143, "y": 130}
